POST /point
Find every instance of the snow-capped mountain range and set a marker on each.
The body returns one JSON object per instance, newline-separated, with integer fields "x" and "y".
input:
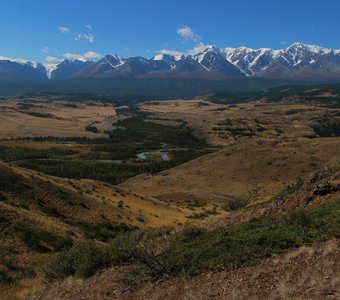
{"x": 296, "y": 62}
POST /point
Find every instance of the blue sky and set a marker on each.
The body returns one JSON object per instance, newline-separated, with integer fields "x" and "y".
{"x": 36, "y": 29}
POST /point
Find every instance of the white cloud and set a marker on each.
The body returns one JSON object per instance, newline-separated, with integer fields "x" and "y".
{"x": 92, "y": 55}
{"x": 74, "y": 56}
{"x": 63, "y": 29}
{"x": 49, "y": 50}
{"x": 53, "y": 60}
{"x": 186, "y": 33}
{"x": 199, "y": 48}
{"x": 83, "y": 57}
{"x": 88, "y": 27}
{"x": 89, "y": 37}
{"x": 170, "y": 52}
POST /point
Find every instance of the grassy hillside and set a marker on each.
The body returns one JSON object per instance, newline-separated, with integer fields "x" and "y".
{"x": 172, "y": 252}
{"x": 41, "y": 215}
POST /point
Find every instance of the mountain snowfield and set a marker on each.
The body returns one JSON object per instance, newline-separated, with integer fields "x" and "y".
{"x": 296, "y": 62}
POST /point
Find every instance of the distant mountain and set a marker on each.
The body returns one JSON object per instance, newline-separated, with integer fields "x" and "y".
{"x": 67, "y": 68}
{"x": 296, "y": 62}
{"x": 18, "y": 69}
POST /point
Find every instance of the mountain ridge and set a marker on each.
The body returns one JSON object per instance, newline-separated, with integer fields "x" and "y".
{"x": 301, "y": 62}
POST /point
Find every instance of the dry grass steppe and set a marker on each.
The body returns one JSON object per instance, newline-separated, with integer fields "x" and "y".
{"x": 264, "y": 155}
{"x": 41, "y": 117}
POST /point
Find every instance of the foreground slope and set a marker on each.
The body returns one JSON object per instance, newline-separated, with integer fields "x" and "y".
{"x": 310, "y": 272}
{"x": 265, "y": 266}
{"x": 40, "y": 215}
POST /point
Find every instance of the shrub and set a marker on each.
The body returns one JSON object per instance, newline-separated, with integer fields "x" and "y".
{"x": 83, "y": 259}
{"x": 299, "y": 217}
{"x": 4, "y": 278}
{"x": 246, "y": 244}
{"x": 93, "y": 129}
{"x": 41, "y": 240}
{"x": 235, "y": 203}
{"x": 156, "y": 250}
{"x": 192, "y": 231}
{"x": 11, "y": 271}
{"x": 104, "y": 232}
{"x": 199, "y": 216}
{"x": 170, "y": 252}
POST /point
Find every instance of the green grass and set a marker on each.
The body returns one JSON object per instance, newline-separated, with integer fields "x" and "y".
{"x": 191, "y": 251}
{"x": 247, "y": 244}
{"x": 81, "y": 260}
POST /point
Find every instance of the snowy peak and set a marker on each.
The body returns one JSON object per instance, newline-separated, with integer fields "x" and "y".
{"x": 296, "y": 62}
{"x": 21, "y": 69}
{"x": 310, "y": 48}
{"x": 32, "y": 63}
{"x": 212, "y": 59}
{"x": 164, "y": 57}
{"x": 165, "y": 60}
{"x": 114, "y": 61}
{"x": 65, "y": 69}
{"x": 254, "y": 62}
{"x": 250, "y": 61}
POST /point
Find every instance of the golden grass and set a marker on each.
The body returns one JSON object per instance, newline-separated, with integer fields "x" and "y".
{"x": 259, "y": 169}
{"x": 66, "y": 121}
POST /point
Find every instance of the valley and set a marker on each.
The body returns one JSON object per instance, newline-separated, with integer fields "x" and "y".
{"x": 189, "y": 177}
{"x": 183, "y": 150}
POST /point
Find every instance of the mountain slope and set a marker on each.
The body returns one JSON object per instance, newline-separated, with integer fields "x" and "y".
{"x": 299, "y": 61}
{"x": 22, "y": 70}
{"x": 40, "y": 215}
{"x": 296, "y": 62}
{"x": 67, "y": 68}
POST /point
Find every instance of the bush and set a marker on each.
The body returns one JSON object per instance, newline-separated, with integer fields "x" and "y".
{"x": 299, "y": 217}
{"x": 156, "y": 250}
{"x": 93, "y": 129}
{"x": 192, "y": 232}
{"x": 199, "y": 216}
{"x": 41, "y": 240}
{"x": 170, "y": 252}
{"x": 11, "y": 270}
{"x": 235, "y": 203}
{"x": 247, "y": 244}
{"x": 104, "y": 232}
{"x": 4, "y": 278}
{"x": 83, "y": 259}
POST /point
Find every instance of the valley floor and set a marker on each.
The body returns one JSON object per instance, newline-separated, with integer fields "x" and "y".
{"x": 229, "y": 166}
